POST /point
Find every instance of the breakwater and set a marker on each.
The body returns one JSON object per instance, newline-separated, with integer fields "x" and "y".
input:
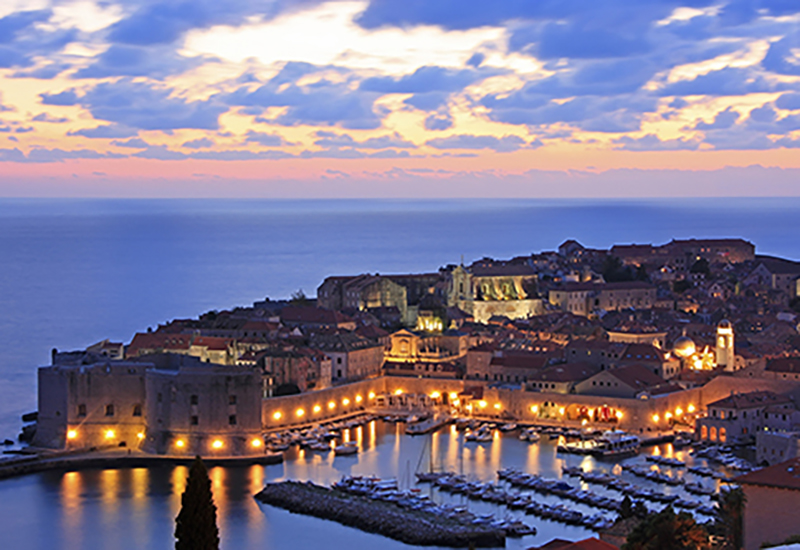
{"x": 385, "y": 518}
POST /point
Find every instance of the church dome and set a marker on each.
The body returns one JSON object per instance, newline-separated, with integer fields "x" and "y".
{"x": 684, "y": 347}
{"x": 724, "y": 324}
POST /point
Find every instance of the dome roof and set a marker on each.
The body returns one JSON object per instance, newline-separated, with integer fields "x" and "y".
{"x": 684, "y": 347}
{"x": 724, "y": 324}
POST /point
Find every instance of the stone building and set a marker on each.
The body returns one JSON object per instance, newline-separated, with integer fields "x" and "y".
{"x": 203, "y": 410}
{"x": 737, "y": 418}
{"x": 352, "y": 356}
{"x": 773, "y": 499}
{"x": 627, "y": 381}
{"x": 587, "y": 298}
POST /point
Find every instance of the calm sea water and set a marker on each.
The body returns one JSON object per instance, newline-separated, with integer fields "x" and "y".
{"x": 73, "y": 272}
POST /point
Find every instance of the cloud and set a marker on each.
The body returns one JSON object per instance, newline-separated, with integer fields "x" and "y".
{"x": 105, "y": 132}
{"x": 723, "y": 119}
{"x": 321, "y": 103}
{"x": 65, "y": 98}
{"x": 41, "y": 155}
{"x": 125, "y": 60}
{"x": 652, "y": 142}
{"x": 789, "y": 101}
{"x": 25, "y": 36}
{"x": 144, "y": 106}
{"x": 504, "y": 144}
{"x": 47, "y": 117}
{"x": 782, "y": 57}
{"x": 426, "y": 79}
{"x": 727, "y": 81}
{"x": 439, "y": 121}
{"x": 332, "y": 140}
{"x": 264, "y": 139}
{"x": 134, "y": 143}
{"x": 201, "y": 143}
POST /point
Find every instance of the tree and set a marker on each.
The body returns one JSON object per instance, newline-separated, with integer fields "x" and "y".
{"x": 730, "y": 517}
{"x": 667, "y": 530}
{"x": 299, "y": 298}
{"x": 196, "y": 524}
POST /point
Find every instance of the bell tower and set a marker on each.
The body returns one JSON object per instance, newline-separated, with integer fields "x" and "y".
{"x": 725, "y": 355}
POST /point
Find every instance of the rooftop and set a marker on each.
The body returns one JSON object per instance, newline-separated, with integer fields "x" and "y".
{"x": 785, "y": 475}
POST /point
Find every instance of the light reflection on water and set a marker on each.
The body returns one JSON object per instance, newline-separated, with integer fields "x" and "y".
{"x": 135, "y": 508}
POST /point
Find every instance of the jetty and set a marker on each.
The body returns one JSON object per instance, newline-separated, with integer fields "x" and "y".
{"x": 419, "y": 527}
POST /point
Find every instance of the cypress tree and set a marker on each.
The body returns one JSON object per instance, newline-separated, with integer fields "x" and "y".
{"x": 196, "y": 524}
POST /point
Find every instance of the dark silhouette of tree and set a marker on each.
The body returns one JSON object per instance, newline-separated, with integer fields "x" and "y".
{"x": 615, "y": 272}
{"x": 196, "y": 524}
{"x": 286, "y": 389}
{"x": 629, "y": 509}
{"x": 299, "y": 298}
{"x": 730, "y": 517}
{"x": 700, "y": 266}
{"x": 667, "y": 530}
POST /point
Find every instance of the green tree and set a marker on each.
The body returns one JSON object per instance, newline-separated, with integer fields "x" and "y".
{"x": 730, "y": 517}
{"x": 667, "y": 530}
{"x": 196, "y": 524}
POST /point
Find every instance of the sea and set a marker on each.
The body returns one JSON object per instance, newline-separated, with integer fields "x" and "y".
{"x": 76, "y": 271}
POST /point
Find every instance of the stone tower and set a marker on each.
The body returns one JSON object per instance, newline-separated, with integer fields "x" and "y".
{"x": 725, "y": 355}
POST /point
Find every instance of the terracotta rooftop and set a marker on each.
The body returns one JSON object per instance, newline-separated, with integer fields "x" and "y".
{"x": 585, "y": 544}
{"x": 637, "y": 377}
{"x": 567, "y": 372}
{"x": 750, "y": 400}
{"x": 785, "y": 475}
{"x": 784, "y": 364}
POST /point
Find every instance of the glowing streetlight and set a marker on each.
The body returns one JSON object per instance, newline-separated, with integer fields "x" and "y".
{"x": 180, "y": 444}
{"x": 256, "y": 443}
{"x": 345, "y": 401}
{"x": 317, "y": 408}
{"x": 656, "y": 418}
{"x": 110, "y": 434}
{"x": 277, "y": 415}
{"x": 371, "y": 395}
{"x": 359, "y": 399}
{"x": 299, "y": 413}
{"x": 217, "y": 444}
{"x": 72, "y": 434}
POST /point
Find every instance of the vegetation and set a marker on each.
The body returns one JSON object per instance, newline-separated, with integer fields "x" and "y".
{"x": 196, "y": 524}
{"x": 299, "y": 298}
{"x": 615, "y": 272}
{"x": 629, "y": 509}
{"x": 667, "y": 530}
{"x": 795, "y": 304}
{"x": 730, "y": 517}
{"x": 700, "y": 266}
{"x": 681, "y": 286}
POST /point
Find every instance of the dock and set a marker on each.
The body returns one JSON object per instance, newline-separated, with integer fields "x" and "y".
{"x": 410, "y": 526}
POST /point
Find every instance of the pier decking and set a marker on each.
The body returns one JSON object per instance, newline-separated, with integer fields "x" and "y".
{"x": 409, "y": 526}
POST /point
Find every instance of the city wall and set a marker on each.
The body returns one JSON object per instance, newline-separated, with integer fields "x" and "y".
{"x": 643, "y": 415}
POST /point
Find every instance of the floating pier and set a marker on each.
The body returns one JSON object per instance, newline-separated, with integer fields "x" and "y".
{"x": 416, "y": 527}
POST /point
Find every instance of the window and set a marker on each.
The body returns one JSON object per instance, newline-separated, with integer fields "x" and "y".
{"x": 338, "y": 360}
{"x": 231, "y": 400}
{"x": 82, "y": 410}
{"x": 194, "y": 420}
{"x": 193, "y": 400}
{"x": 137, "y": 410}
{"x": 159, "y": 397}
{"x": 232, "y": 420}
{"x": 110, "y": 410}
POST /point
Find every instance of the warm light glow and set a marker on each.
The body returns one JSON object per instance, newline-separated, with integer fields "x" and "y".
{"x": 584, "y": 422}
{"x": 656, "y": 418}
{"x": 140, "y": 435}
{"x": 331, "y": 404}
{"x": 453, "y": 396}
{"x": 691, "y": 409}
{"x": 469, "y": 407}
{"x": 619, "y": 415}
{"x": 371, "y": 395}
{"x": 456, "y": 402}
{"x": 345, "y": 401}
{"x": 534, "y": 408}
{"x": 435, "y": 395}
{"x": 482, "y": 404}
{"x": 678, "y": 411}
{"x": 72, "y": 434}
{"x": 317, "y": 408}
{"x": 561, "y": 410}
{"x": 398, "y": 392}
{"x": 299, "y": 412}
{"x": 668, "y": 415}
{"x": 359, "y": 399}
{"x": 180, "y": 444}
{"x": 110, "y": 434}
{"x": 256, "y": 443}
{"x": 277, "y": 416}
{"x": 497, "y": 406}
{"x": 217, "y": 444}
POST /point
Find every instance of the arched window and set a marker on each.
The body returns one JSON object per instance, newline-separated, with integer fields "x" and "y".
{"x": 713, "y": 436}
{"x": 703, "y": 432}
{"x": 722, "y": 435}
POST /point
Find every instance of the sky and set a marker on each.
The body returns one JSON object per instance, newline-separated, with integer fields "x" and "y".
{"x": 409, "y": 98}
